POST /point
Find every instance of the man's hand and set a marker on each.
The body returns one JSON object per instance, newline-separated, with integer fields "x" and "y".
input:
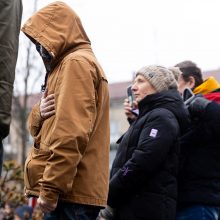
{"x": 47, "y": 105}
{"x": 107, "y": 213}
{"x": 45, "y": 206}
{"x": 100, "y": 218}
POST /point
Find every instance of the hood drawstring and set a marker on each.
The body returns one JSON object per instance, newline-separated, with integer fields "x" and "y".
{"x": 47, "y": 59}
{"x": 43, "y": 86}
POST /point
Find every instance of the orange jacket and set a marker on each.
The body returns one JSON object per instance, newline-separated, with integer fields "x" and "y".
{"x": 70, "y": 156}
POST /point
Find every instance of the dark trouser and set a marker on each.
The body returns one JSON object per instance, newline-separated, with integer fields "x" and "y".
{"x": 71, "y": 211}
{"x": 198, "y": 212}
{"x": 1, "y": 156}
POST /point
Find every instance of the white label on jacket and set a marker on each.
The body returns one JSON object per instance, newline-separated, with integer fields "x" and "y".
{"x": 153, "y": 132}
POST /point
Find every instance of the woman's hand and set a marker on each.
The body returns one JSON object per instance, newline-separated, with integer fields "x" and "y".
{"x": 47, "y": 105}
{"x": 128, "y": 109}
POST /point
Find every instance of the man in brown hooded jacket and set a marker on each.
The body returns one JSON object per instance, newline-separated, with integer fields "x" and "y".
{"x": 10, "y": 21}
{"x": 68, "y": 166}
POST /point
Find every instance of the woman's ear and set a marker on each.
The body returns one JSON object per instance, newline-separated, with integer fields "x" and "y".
{"x": 191, "y": 82}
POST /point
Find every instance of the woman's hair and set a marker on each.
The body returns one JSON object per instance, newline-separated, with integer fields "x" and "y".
{"x": 176, "y": 72}
{"x": 190, "y": 69}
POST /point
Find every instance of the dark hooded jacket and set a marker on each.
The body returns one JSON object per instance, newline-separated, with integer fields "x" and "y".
{"x": 10, "y": 21}
{"x": 199, "y": 177}
{"x": 143, "y": 181}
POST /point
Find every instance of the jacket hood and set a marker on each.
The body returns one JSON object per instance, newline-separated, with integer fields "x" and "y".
{"x": 207, "y": 86}
{"x": 57, "y": 28}
{"x": 170, "y": 100}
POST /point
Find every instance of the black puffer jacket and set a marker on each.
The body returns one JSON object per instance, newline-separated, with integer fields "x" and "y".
{"x": 143, "y": 177}
{"x": 199, "y": 177}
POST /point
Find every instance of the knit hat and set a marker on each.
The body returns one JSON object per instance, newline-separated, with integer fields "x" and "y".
{"x": 159, "y": 77}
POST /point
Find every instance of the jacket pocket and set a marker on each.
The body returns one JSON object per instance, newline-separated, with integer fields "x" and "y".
{"x": 34, "y": 168}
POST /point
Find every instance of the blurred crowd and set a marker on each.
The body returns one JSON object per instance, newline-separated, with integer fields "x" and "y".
{"x": 22, "y": 212}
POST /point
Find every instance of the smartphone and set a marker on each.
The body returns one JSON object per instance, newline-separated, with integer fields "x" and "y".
{"x": 130, "y": 96}
{"x": 188, "y": 96}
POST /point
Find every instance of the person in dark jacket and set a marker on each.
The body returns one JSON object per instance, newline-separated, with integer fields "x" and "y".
{"x": 199, "y": 177}
{"x": 10, "y": 20}
{"x": 191, "y": 77}
{"x": 143, "y": 182}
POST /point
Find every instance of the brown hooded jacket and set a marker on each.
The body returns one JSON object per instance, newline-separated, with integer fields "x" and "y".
{"x": 70, "y": 156}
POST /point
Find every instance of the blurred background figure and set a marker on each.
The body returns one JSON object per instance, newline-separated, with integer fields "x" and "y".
{"x": 10, "y": 21}
{"x": 23, "y": 212}
{"x": 37, "y": 214}
{"x": 7, "y": 212}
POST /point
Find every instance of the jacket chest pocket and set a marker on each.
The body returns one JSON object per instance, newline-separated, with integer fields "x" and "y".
{"x": 34, "y": 167}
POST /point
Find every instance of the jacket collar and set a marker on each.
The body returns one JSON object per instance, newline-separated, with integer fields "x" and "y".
{"x": 207, "y": 86}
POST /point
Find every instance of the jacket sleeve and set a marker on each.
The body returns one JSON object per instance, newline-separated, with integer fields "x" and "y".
{"x": 155, "y": 140}
{"x": 75, "y": 105}
{"x": 10, "y": 20}
{"x": 35, "y": 120}
{"x": 212, "y": 119}
{"x": 208, "y": 126}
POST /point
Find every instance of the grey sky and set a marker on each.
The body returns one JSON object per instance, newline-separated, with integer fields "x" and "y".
{"x": 128, "y": 34}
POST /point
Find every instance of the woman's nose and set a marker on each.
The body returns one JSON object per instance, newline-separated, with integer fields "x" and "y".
{"x": 133, "y": 87}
